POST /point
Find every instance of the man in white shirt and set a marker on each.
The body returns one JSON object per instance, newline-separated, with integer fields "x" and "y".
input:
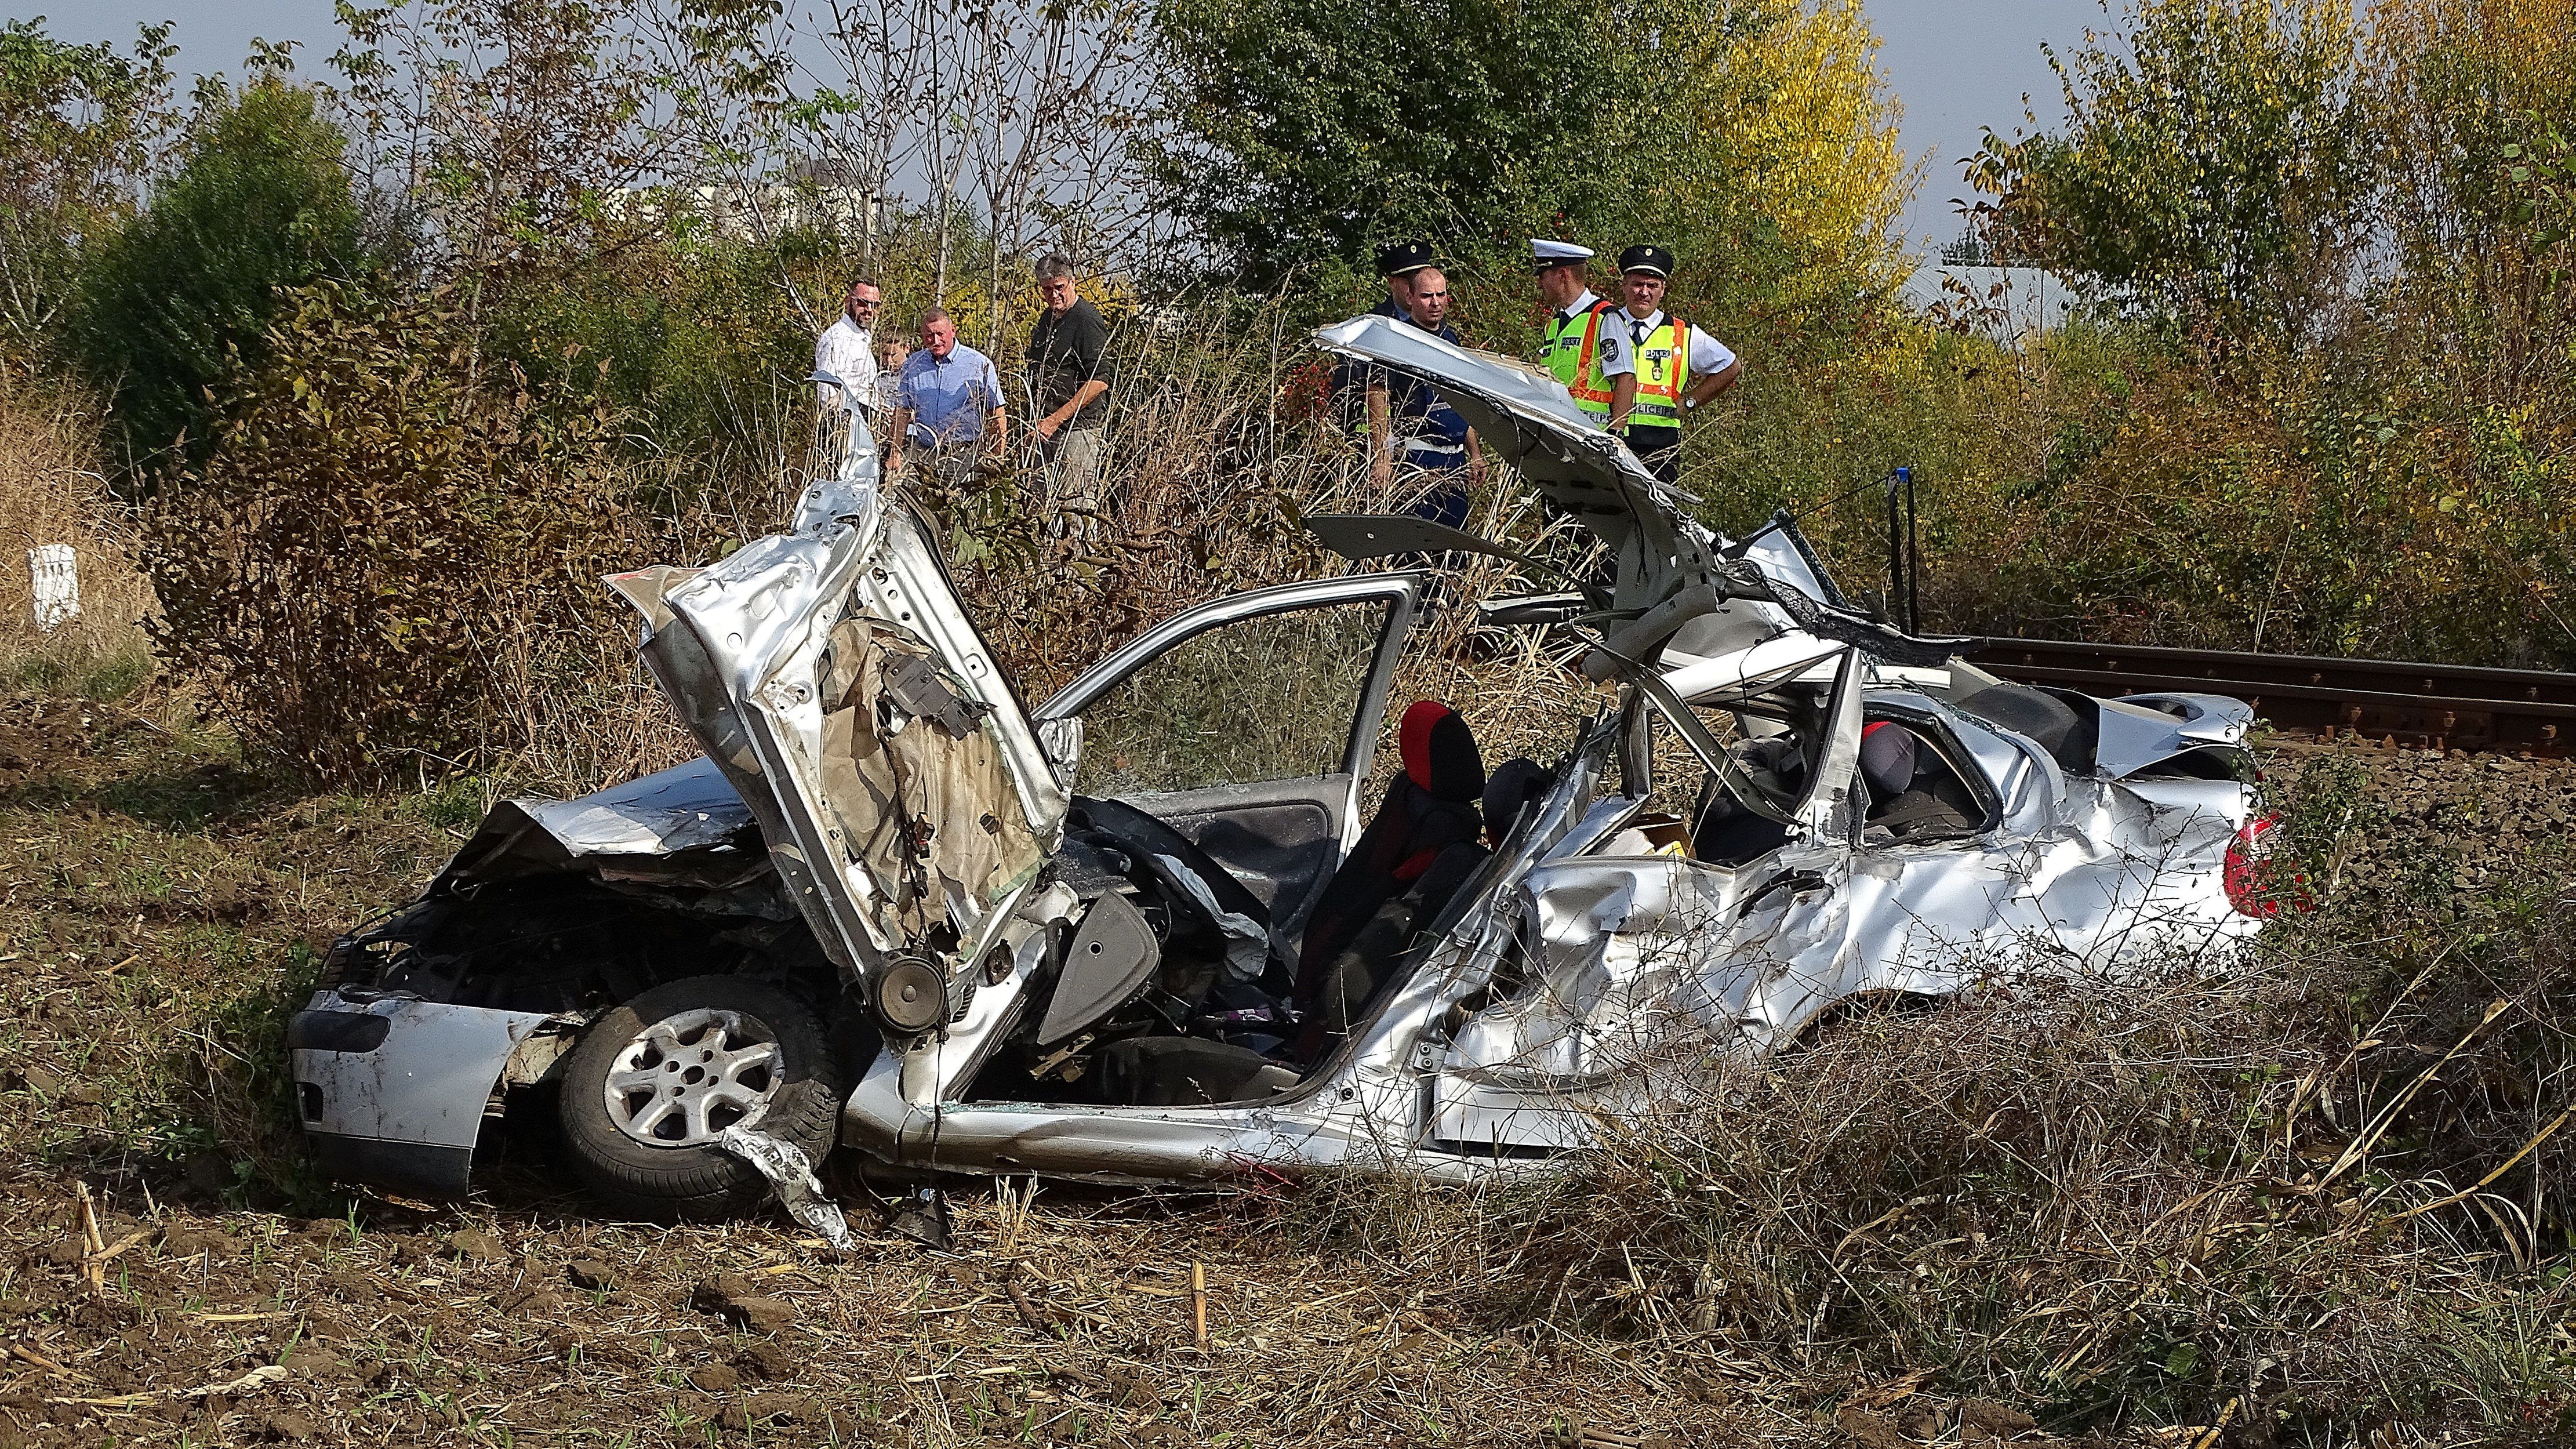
{"x": 847, "y": 349}
{"x": 1678, "y": 366}
{"x": 1582, "y": 343}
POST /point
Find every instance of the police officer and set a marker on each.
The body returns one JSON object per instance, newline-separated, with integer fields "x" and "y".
{"x": 1583, "y": 343}
{"x": 1396, "y": 264}
{"x": 1412, "y": 425}
{"x": 1678, "y": 366}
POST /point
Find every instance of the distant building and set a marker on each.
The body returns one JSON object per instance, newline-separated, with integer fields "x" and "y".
{"x": 805, "y": 194}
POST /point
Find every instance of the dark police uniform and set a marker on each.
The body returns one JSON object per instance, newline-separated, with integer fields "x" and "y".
{"x": 1350, "y": 378}
{"x": 1430, "y": 437}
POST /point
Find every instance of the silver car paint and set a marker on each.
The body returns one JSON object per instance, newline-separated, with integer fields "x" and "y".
{"x": 1610, "y": 968}
{"x": 426, "y": 1086}
{"x": 738, "y": 645}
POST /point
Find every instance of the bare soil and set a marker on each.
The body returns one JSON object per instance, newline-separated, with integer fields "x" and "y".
{"x": 162, "y": 908}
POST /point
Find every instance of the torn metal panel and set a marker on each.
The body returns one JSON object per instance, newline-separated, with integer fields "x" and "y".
{"x": 1660, "y": 554}
{"x": 2141, "y": 731}
{"x": 791, "y": 1176}
{"x": 687, "y": 810}
{"x": 876, "y": 836}
{"x": 396, "y": 1089}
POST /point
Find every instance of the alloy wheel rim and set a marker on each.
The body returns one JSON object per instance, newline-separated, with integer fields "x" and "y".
{"x": 684, "y": 1079}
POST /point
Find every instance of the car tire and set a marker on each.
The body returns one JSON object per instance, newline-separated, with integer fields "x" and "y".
{"x": 716, "y": 1018}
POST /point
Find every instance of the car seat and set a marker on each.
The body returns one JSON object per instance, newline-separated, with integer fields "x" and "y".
{"x": 1726, "y": 831}
{"x": 1430, "y": 807}
{"x": 1914, "y": 794}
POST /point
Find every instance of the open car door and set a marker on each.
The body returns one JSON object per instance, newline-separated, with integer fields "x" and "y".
{"x": 1247, "y": 725}
{"x": 1787, "y": 906}
{"x": 834, "y": 677}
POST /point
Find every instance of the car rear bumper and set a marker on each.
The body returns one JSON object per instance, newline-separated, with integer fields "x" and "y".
{"x": 393, "y": 1091}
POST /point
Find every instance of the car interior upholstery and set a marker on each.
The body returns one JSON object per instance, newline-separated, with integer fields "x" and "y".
{"x": 1177, "y": 988}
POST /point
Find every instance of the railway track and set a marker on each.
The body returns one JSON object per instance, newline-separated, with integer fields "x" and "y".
{"x": 2424, "y": 706}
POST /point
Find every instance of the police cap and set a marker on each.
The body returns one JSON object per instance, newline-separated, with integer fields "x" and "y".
{"x": 1397, "y": 259}
{"x": 1548, "y": 254}
{"x": 1647, "y": 258}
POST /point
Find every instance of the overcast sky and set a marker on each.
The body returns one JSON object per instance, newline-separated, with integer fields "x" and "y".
{"x": 1959, "y": 65}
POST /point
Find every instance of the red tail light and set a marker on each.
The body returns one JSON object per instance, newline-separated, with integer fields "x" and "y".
{"x": 2258, "y": 883}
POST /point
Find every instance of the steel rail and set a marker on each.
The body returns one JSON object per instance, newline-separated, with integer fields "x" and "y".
{"x": 2438, "y": 706}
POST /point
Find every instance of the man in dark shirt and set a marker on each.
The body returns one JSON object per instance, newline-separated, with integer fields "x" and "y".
{"x": 1396, "y": 264}
{"x": 1411, "y": 425}
{"x": 1069, "y": 375}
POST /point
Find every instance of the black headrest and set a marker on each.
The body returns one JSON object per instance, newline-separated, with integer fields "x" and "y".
{"x": 1440, "y": 752}
{"x": 1514, "y": 784}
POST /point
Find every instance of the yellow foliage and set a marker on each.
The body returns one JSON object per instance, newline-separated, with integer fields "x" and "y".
{"x": 2528, "y": 47}
{"x": 1821, "y": 150}
{"x": 1807, "y": 128}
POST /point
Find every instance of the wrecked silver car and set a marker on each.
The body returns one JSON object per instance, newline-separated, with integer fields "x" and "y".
{"x": 1151, "y": 930}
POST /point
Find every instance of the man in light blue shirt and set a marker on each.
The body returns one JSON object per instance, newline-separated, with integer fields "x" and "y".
{"x": 947, "y": 405}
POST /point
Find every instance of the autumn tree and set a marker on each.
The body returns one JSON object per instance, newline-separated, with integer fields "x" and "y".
{"x": 1768, "y": 159}
{"x": 2216, "y": 169}
{"x": 79, "y": 125}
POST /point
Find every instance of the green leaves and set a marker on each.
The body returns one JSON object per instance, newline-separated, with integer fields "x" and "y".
{"x": 383, "y": 524}
{"x": 78, "y": 124}
{"x": 1306, "y": 134}
{"x": 262, "y": 204}
{"x": 2217, "y": 166}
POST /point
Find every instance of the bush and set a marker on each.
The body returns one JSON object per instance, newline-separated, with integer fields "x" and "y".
{"x": 261, "y": 204}
{"x": 383, "y": 527}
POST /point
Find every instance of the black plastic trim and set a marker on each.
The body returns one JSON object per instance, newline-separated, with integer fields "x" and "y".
{"x": 336, "y": 1031}
{"x": 414, "y": 1168}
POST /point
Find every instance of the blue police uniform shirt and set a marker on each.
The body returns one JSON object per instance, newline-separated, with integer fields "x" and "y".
{"x": 1351, "y": 376}
{"x": 948, "y": 397}
{"x": 1430, "y": 432}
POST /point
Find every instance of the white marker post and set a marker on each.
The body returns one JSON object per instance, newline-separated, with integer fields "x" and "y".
{"x": 56, "y": 573}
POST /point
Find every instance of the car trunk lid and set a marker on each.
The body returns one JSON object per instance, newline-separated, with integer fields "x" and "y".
{"x": 835, "y": 678}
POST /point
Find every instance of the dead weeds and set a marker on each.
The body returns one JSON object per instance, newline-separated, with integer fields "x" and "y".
{"x": 2093, "y": 1210}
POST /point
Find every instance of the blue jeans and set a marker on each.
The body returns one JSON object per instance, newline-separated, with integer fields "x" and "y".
{"x": 1445, "y": 501}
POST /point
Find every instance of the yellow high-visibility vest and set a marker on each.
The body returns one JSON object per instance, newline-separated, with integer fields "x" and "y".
{"x": 1663, "y": 360}
{"x": 1569, "y": 349}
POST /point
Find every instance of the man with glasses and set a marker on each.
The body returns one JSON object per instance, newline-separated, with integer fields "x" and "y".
{"x": 847, "y": 349}
{"x": 1411, "y": 424}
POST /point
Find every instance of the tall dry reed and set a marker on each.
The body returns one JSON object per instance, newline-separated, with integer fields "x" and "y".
{"x": 52, "y": 492}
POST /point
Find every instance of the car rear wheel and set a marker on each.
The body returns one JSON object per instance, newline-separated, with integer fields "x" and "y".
{"x": 655, "y": 1081}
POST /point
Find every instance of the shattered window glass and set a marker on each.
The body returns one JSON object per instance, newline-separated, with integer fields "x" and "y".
{"x": 1270, "y": 698}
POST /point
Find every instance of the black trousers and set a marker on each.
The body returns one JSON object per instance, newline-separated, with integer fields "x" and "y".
{"x": 1660, "y": 449}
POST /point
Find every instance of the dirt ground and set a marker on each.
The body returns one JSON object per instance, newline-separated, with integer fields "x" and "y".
{"x": 161, "y": 909}
{"x": 172, "y": 1273}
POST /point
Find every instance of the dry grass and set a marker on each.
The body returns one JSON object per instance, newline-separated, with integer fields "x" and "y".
{"x": 52, "y": 492}
{"x": 2028, "y": 1204}
{"x": 2109, "y": 1205}
{"x": 1212, "y": 478}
